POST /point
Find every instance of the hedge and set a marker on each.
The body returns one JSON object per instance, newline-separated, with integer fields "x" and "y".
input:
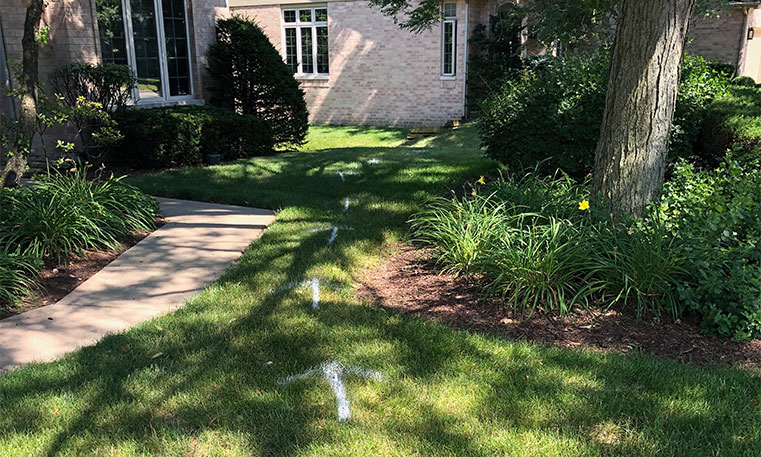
{"x": 733, "y": 122}
{"x": 185, "y": 135}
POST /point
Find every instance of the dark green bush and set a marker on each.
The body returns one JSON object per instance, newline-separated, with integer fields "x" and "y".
{"x": 107, "y": 84}
{"x": 732, "y": 122}
{"x": 716, "y": 215}
{"x": 183, "y": 136}
{"x": 251, "y": 78}
{"x": 552, "y": 116}
{"x": 744, "y": 81}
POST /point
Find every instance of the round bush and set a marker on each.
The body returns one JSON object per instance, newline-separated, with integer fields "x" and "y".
{"x": 251, "y": 78}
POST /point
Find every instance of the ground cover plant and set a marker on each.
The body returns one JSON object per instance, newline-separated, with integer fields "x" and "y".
{"x": 213, "y": 387}
{"x": 60, "y": 216}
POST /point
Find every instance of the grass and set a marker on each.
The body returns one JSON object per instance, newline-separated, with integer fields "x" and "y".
{"x": 213, "y": 391}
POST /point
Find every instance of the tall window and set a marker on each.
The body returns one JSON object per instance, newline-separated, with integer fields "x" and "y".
{"x": 151, "y": 36}
{"x": 305, "y": 44}
{"x": 449, "y": 39}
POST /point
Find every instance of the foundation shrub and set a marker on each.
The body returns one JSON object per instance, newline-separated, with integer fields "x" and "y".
{"x": 184, "y": 136}
{"x": 733, "y": 122}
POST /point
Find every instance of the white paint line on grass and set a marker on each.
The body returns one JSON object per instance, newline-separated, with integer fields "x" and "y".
{"x": 346, "y": 204}
{"x": 334, "y": 372}
{"x": 373, "y": 161}
{"x": 341, "y": 175}
{"x": 333, "y": 236}
{"x": 315, "y": 293}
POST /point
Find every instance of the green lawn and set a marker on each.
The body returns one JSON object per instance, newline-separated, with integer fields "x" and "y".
{"x": 214, "y": 391}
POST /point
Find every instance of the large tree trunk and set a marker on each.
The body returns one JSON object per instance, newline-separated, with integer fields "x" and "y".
{"x": 26, "y": 123}
{"x": 647, "y": 58}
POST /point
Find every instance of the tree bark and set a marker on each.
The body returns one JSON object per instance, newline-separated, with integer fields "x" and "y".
{"x": 647, "y": 58}
{"x": 26, "y": 123}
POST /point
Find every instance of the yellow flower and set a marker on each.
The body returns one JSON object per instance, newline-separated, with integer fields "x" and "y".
{"x": 584, "y": 205}
{"x": 474, "y": 193}
{"x": 481, "y": 180}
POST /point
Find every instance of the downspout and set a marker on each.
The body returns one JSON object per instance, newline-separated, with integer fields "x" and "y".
{"x": 743, "y": 38}
{"x": 5, "y": 77}
{"x": 465, "y": 63}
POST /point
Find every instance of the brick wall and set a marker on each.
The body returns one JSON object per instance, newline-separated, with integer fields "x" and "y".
{"x": 717, "y": 38}
{"x": 379, "y": 74}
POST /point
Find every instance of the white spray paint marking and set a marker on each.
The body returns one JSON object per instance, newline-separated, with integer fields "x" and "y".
{"x": 315, "y": 293}
{"x": 333, "y": 236}
{"x": 322, "y": 229}
{"x": 346, "y": 204}
{"x": 373, "y": 161}
{"x": 334, "y": 373}
{"x": 341, "y": 175}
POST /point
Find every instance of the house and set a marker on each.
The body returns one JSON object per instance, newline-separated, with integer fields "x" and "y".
{"x": 355, "y": 65}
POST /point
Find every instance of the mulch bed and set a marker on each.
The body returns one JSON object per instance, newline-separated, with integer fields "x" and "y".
{"x": 408, "y": 282}
{"x": 57, "y": 281}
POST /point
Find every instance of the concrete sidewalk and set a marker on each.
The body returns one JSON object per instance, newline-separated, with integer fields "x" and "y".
{"x": 152, "y": 278}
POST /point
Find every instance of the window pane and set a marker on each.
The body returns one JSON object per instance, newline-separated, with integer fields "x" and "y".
{"x": 321, "y": 15}
{"x": 322, "y": 50}
{"x": 289, "y": 15}
{"x": 450, "y": 9}
{"x": 307, "y": 60}
{"x": 113, "y": 47}
{"x": 145, "y": 37}
{"x": 448, "y": 53}
{"x": 305, "y": 15}
{"x": 176, "y": 39}
{"x": 290, "y": 49}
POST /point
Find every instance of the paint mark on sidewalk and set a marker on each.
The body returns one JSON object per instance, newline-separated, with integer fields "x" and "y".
{"x": 334, "y": 372}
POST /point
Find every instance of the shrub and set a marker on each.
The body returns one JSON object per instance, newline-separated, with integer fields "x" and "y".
{"x": 716, "y": 215}
{"x": 65, "y": 214}
{"x": 744, "y": 81}
{"x": 251, "y": 78}
{"x": 183, "y": 136}
{"x": 552, "y": 116}
{"x": 732, "y": 122}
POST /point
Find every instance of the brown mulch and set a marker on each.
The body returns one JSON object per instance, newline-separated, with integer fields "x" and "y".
{"x": 56, "y": 281}
{"x": 408, "y": 282}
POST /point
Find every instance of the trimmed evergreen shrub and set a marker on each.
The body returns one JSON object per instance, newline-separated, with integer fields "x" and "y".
{"x": 183, "y": 136}
{"x": 251, "y": 78}
{"x": 550, "y": 118}
{"x": 733, "y": 122}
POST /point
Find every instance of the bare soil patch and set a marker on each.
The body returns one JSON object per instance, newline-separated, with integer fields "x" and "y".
{"x": 56, "y": 281}
{"x": 409, "y": 283}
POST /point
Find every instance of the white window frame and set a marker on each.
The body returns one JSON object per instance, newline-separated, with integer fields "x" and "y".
{"x": 298, "y": 25}
{"x": 164, "y": 68}
{"x": 453, "y": 21}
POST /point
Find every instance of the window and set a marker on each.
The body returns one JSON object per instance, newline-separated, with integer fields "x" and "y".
{"x": 151, "y": 36}
{"x": 449, "y": 39}
{"x": 305, "y": 40}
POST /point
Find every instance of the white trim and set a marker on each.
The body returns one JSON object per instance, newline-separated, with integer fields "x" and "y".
{"x": 164, "y": 97}
{"x": 453, "y": 50}
{"x": 311, "y": 25}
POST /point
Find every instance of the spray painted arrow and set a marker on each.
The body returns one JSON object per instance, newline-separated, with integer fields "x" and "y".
{"x": 334, "y": 372}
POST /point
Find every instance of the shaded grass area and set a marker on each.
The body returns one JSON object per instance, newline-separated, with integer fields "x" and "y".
{"x": 213, "y": 389}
